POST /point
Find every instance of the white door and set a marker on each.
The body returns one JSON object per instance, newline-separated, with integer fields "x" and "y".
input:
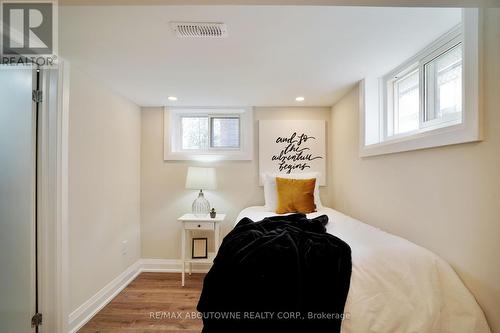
{"x": 17, "y": 200}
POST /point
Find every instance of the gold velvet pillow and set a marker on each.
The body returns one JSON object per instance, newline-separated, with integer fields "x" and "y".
{"x": 295, "y": 195}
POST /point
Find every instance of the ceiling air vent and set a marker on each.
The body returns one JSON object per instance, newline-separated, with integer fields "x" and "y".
{"x": 199, "y": 29}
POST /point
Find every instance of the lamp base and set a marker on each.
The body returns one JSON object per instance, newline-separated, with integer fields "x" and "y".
{"x": 201, "y": 206}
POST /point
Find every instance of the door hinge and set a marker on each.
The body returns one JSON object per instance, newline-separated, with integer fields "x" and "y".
{"x": 37, "y": 96}
{"x": 36, "y": 320}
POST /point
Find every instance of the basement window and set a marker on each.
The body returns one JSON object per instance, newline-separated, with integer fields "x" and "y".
{"x": 430, "y": 100}
{"x": 427, "y": 93}
{"x": 208, "y": 134}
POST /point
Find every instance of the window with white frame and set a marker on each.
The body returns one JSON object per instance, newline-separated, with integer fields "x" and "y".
{"x": 208, "y": 133}
{"x": 428, "y": 101}
{"x": 426, "y": 92}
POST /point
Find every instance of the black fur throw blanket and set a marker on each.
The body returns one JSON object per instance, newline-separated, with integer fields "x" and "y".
{"x": 282, "y": 274}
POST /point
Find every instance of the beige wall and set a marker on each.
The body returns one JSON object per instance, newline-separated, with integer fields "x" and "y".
{"x": 104, "y": 176}
{"x": 164, "y": 198}
{"x": 446, "y": 199}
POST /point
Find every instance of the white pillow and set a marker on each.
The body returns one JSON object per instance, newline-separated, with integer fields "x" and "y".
{"x": 270, "y": 192}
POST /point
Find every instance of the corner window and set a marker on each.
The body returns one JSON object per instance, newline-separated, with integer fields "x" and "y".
{"x": 208, "y": 134}
{"x": 430, "y": 100}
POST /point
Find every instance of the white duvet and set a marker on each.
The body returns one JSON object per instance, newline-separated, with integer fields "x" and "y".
{"x": 396, "y": 285}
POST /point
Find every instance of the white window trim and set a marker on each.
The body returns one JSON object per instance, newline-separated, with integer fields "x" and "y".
{"x": 416, "y": 63}
{"x": 371, "y": 102}
{"x": 171, "y": 134}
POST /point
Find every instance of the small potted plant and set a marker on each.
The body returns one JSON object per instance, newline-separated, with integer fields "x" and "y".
{"x": 213, "y": 213}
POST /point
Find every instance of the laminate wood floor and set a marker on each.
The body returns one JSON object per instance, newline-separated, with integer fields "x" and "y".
{"x": 150, "y": 304}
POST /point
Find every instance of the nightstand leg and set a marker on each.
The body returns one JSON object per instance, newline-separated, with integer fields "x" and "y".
{"x": 183, "y": 274}
{"x": 183, "y": 251}
{"x": 190, "y": 268}
{"x": 217, "y": 237}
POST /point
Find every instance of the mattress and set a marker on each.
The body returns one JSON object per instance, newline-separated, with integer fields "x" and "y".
{"x": 396, "y": 285}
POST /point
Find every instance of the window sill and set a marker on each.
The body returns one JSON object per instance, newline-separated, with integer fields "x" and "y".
{"x": 438, "y": 137}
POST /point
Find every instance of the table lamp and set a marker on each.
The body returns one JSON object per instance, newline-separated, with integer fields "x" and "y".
{"x": 201, "y": 179}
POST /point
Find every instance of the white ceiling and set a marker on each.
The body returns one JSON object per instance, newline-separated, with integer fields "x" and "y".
{"x": 272, "y": 55}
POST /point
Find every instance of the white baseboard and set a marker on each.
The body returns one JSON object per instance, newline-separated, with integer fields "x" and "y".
{"x": 87, "y": 310}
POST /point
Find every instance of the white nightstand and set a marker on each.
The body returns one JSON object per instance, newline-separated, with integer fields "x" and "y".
{"x": 190, "y": 223}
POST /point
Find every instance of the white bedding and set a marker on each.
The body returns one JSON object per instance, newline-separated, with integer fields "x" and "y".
{"x": 396, "y": 285}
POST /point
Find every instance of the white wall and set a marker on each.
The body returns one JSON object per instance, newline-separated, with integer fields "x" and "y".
{"x": 446, "y": 199}
{"x": 104, "y": 189}
{"x": 164, "y": 198}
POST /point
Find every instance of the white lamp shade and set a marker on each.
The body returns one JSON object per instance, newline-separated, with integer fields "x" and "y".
{"x": 201, "y": 179}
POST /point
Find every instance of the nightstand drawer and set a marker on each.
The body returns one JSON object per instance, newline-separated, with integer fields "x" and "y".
{"x": 199, "y": 225}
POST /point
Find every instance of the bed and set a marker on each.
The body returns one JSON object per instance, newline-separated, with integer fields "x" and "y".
{"x": 396, "y": 286}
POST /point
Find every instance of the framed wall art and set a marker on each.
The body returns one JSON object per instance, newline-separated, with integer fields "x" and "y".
{"x": 292, "y": 146}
